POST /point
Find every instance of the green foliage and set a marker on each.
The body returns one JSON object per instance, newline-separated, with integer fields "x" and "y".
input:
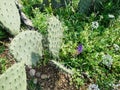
{"x": 2, "y": 65}
{"x": 9, "y": 16}
{"x": 27, "y": 47}
{"x": 14, "y": 78}
{"x": 3, "y": 34}
{"x": 28, "y": 6}
{"x": 2, "y": 48}
{"x": 40, "y": 21}
{"x": 96, "y": 43}
{"x": 111, "y": 6}
{"x": 78, "y": 79}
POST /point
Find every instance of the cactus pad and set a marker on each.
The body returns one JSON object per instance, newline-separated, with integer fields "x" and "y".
{"x": 84, "y": 5}
{"x": 9, "y": 16}
{"x": 55, "y": 34}
{"x": 14, "y": 78}
{"x": 27, "y": 46}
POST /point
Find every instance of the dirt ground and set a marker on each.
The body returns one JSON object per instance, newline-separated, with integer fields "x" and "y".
{"x": 51, "y": 78}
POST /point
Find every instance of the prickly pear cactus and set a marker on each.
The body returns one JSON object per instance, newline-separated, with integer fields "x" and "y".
{"x": 14, "y": 78}
{"x": 84, "y": 5}
{"x": 55, "y": 34}
{"x": 27, "y": 46}
{"x": 9, "y": 16}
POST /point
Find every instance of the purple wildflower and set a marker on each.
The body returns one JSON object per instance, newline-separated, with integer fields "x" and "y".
{"x": 80, "y": 48}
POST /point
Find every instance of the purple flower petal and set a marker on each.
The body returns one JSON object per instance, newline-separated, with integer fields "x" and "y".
{"x": 80, "y": 48}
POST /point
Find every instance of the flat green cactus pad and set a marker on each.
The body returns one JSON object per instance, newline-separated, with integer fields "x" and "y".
{"x": 27, "y": 46}
{"x": 9, "y": 16}
{"x": 14, "y": 78}
{"x": 55, "y": 35}
{"x": 84, "y": 5}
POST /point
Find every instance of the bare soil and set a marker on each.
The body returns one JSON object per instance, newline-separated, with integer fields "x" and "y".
{"x": 51, "y": 78}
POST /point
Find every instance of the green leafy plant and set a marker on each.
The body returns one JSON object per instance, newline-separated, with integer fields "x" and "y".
{"x": 96, "y": 42}
{"x": 98, "y": 33}
{"x": 3, "y": 34}
{"x": 2, "y": 65}
{"x": 40, "y": 21}
{"x": 2, "y": 48}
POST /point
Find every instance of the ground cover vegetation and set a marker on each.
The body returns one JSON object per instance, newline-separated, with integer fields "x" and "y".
{"x": 91, "y": 40}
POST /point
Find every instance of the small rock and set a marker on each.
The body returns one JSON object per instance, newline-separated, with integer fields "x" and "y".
{"x": 42, "y": 84}
{"x": 44, "y": 76}
{"x": 35, "y": 81}
{"x": 51, "y": 86}
{"x": 48, "y": 89}
{"x": 32, "y": 72}
{"x": 38, "y": 74}
{"x": 93, "y": 87}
